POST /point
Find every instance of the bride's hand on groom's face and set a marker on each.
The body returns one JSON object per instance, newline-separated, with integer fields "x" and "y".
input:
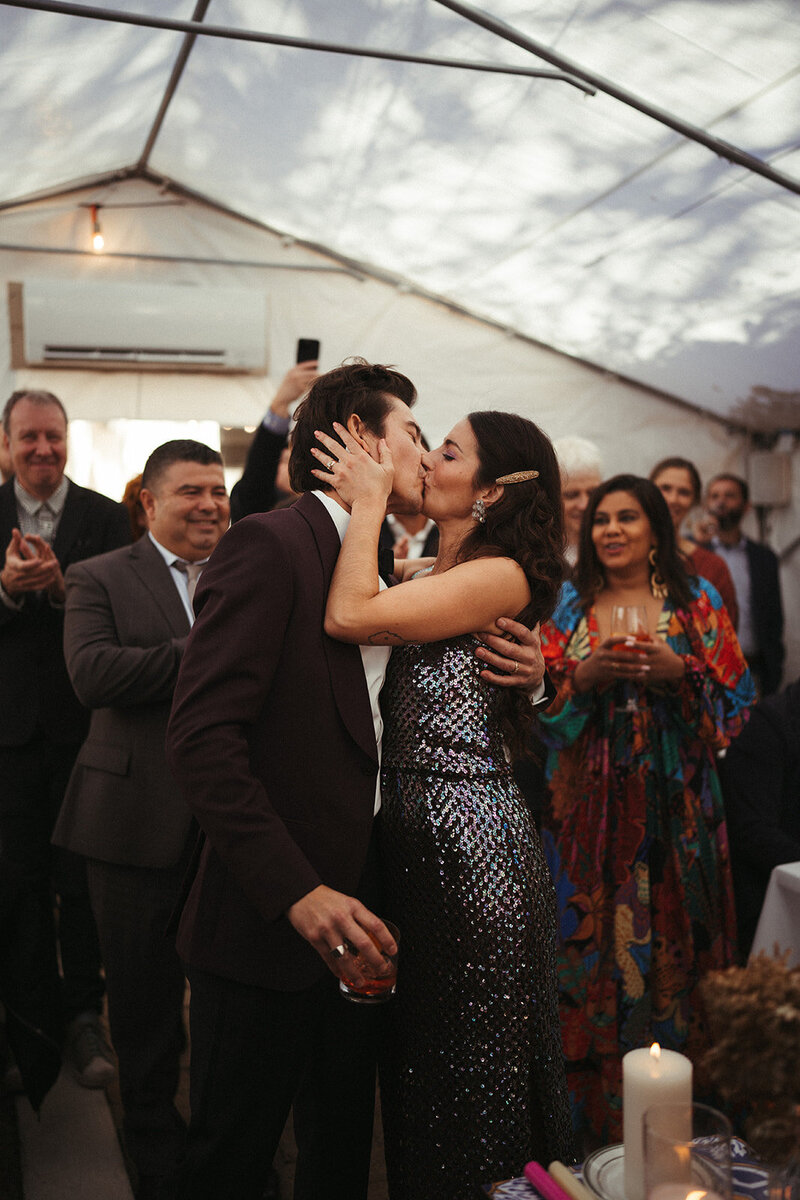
{"x": 347, "y": 466}
{"x": 515, "y": 663}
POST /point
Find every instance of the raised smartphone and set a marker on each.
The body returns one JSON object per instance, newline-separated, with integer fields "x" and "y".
{"x": 307, "y": 350}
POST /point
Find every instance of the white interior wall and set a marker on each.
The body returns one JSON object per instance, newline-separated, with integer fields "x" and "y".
{"x": 458, "y": 362}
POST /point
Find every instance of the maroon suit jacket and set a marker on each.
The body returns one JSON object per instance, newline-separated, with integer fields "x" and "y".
{"x": 272, "y": 743}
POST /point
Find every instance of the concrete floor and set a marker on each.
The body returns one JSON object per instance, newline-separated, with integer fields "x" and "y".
{"x": 72, "y": 1151}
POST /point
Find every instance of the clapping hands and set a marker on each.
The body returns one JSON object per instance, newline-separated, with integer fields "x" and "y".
{"x": 31, "y": 566}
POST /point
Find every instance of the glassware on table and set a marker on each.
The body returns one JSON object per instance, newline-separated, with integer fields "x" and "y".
{"x": 629, "y": 621}
{"x": 784, "y": 1181}
{"x": 377, "y": 986}
{"x": 779, "y": 1145}
{"x": 687, "y": 1153}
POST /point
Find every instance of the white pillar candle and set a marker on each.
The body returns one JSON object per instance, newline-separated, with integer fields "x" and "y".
{"x": 649, "y": 1077}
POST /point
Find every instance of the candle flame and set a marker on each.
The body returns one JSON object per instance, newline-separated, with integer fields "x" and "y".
{"x": 696, "y": 1195}
{"x": 655, "y": 1052}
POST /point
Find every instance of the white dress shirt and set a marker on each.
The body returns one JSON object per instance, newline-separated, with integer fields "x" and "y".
{"x": 375, "y": 659}
{"x": 739, "y": 567}
{"x": 180, "y": 578}
{"x": 416, "y": 541}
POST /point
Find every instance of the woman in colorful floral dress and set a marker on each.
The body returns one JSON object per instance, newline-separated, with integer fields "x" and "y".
{"x": 634, "y": 827}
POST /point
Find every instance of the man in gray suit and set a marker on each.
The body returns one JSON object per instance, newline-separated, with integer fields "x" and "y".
{"x": 128, "y": 614}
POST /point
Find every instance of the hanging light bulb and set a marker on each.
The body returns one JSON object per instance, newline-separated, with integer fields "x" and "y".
{"x": 98, "y": 241}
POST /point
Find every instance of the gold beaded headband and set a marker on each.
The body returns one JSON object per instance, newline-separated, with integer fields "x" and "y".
{"x": 518, "y": 477}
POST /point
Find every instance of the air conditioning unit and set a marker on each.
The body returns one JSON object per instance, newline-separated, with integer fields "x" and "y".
{"x": 150, "y": 326}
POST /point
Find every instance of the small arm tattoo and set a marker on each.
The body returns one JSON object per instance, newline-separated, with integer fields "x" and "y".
{"x": 385, "y": 637}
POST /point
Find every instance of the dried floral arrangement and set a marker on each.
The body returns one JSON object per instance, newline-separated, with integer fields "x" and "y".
{"x": 754, "y": 1060}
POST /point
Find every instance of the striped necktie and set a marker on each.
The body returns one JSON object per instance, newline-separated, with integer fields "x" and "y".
{"x": 192, "y": 572}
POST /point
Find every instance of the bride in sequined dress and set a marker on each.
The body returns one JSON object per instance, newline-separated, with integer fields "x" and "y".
{"x": 472, "y": 1081}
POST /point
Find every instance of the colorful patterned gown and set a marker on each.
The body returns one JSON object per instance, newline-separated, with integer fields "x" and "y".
{"x": 473, "y": 1084}
{"x": 634, "y": 832}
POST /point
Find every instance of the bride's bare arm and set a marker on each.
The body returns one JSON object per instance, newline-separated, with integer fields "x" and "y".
{"x": 407, "y": 568}
{"x": 467, "y": 597}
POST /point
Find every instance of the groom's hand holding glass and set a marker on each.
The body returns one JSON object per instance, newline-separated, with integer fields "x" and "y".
{"x": 339, "y": 926}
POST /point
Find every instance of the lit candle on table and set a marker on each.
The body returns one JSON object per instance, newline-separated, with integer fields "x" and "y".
{"x": 650, "y": 1077}
{"x": 681, "y": 1191}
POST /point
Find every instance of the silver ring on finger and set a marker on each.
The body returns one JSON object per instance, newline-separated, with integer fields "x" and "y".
{"x": 331, "y": 464}
{"x": 516, "y": 668}
{"x": 338, "y": 951}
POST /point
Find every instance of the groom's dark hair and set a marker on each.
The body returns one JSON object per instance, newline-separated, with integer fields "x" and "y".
{"x": 355, "y": 387}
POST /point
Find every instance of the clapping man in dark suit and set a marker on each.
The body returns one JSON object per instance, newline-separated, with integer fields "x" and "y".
{"x": 46, "y": 523}
{"x": 128, "y": 616}
{"x": 274, "y": 739}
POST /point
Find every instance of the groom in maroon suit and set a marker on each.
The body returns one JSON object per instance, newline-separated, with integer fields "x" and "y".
{"x": 274, "y": 741}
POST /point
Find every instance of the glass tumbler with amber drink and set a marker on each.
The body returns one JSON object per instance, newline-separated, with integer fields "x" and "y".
{"x": 378, "y": 985}
{"x": 629, "y": 621}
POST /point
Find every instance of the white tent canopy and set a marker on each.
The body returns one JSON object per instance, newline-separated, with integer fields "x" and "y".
{"x": 506, "y": 239}
{"x": 575, "y": 220}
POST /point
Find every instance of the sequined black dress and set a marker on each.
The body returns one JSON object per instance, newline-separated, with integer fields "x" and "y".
{"x": 472, "y": 1083}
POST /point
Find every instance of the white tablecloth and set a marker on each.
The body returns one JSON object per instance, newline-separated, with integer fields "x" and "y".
{"x": 780, "y": 916}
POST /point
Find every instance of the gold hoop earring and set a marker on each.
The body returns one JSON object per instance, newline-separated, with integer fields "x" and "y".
{"x": 657, "y": 585}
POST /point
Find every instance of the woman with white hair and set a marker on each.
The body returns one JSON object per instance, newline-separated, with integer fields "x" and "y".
{"x": 581, "y": 472}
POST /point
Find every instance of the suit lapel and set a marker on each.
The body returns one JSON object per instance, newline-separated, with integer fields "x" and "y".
{"x": 155, "y": 575}
{"x": 70, "y": 527}
{"x": 344, "y": 660}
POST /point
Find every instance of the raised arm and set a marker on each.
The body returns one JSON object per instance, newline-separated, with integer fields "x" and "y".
{"x": 255, "y": 491}
{"x": 463, "y": 599}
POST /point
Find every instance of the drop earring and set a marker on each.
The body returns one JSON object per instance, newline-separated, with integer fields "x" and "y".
{"x": 479, "y": 511}
{"x": 657, "y": 585}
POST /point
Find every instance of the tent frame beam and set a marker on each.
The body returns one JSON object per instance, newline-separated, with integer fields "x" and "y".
{"x": 15, "y": 248}
{"x": 194, "y": 28}
{"x": 693, "y": 132}
{"x": 363, "y": 272}
{"x": 180, "y": 62}
{"x": 574, "y": 74}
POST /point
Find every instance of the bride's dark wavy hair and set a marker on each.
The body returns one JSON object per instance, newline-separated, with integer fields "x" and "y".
{"x": 525, "y": 524}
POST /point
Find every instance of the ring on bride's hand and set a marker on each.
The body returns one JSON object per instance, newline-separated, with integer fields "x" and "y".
{"x": 338, "y": 951}
{"x": 331, "y": 463}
